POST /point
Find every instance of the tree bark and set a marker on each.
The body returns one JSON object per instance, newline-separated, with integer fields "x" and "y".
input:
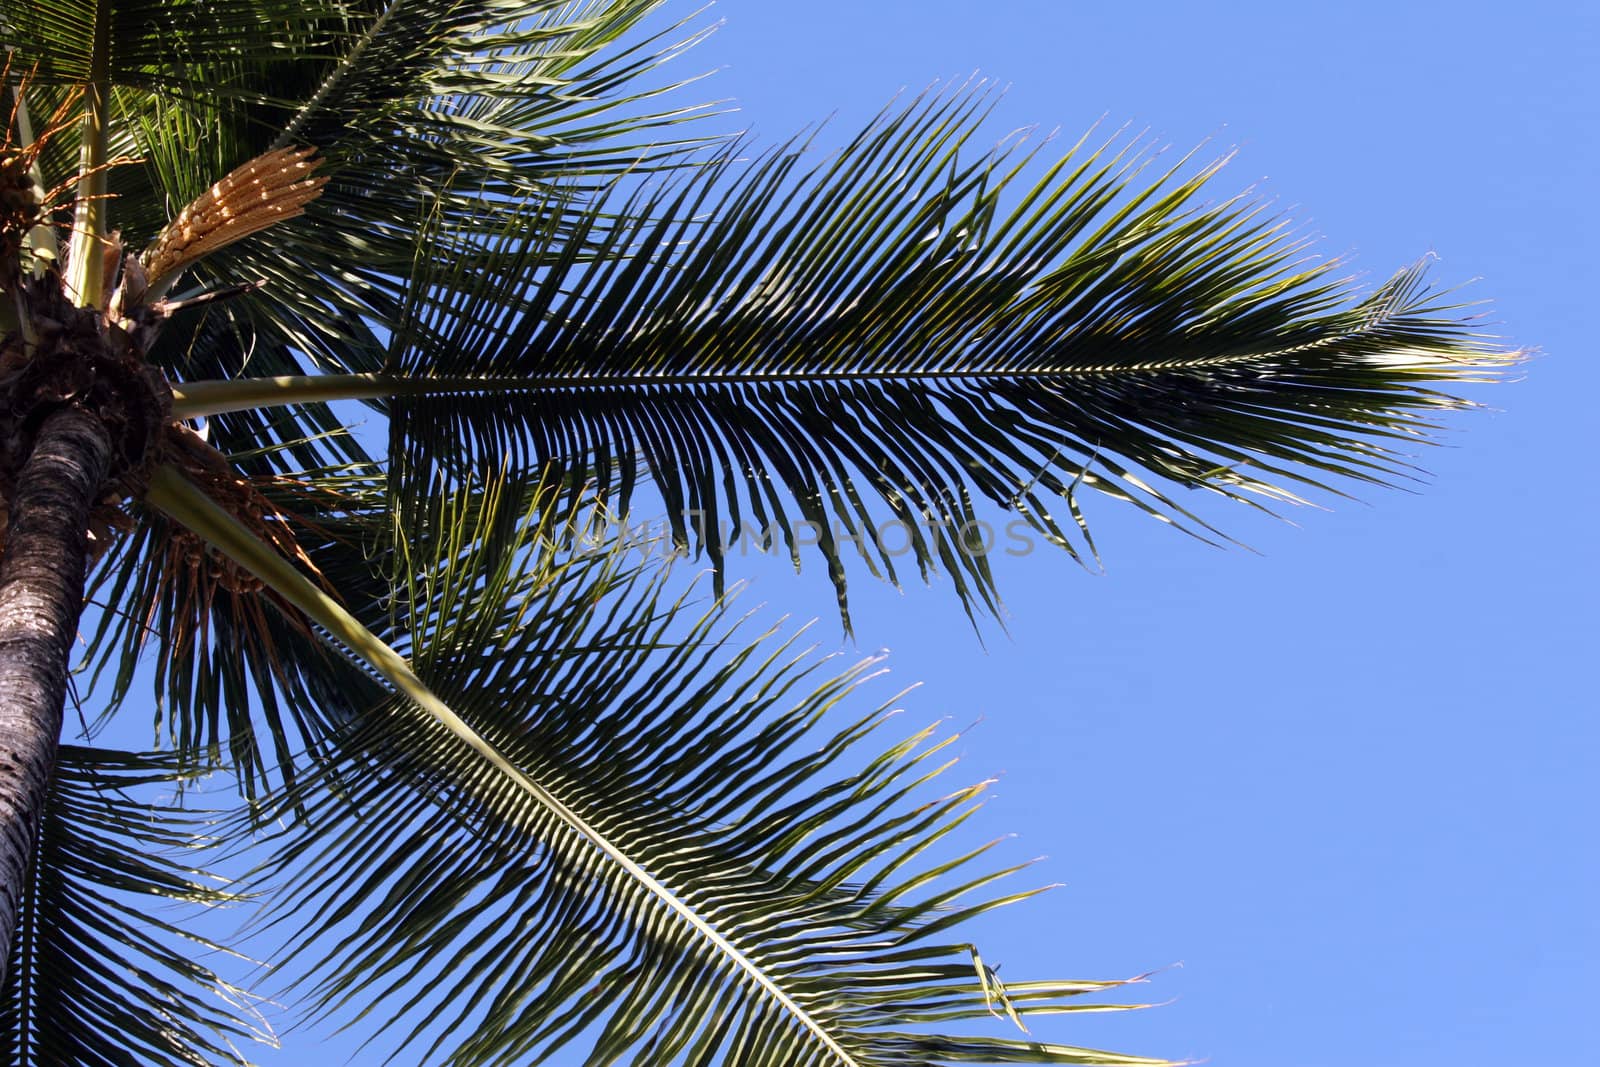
{"x": 41, "y": 595}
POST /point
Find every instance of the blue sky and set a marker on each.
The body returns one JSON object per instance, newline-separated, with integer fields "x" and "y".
{"x": 1348, "y": 781}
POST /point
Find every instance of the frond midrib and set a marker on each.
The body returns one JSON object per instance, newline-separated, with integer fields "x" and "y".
{"x": 212, "y": 397}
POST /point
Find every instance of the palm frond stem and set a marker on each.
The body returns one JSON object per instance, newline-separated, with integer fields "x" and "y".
{"x": 86, "y": 272}
{"x": 224, "y": 395}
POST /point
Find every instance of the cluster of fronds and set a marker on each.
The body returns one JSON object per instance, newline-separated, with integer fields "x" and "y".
{"x": 516, "y": 796}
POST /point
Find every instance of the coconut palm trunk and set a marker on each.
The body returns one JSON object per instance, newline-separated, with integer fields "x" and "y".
{"x": 41, "y": 593}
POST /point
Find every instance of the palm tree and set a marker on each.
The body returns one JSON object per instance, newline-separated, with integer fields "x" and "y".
{"x": 511, "y": 792}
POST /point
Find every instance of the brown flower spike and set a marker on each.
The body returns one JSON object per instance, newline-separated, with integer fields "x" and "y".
{"x": 267, "y": 190}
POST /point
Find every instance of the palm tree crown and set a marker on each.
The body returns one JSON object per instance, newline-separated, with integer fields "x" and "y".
{"x": 502, "y": 785}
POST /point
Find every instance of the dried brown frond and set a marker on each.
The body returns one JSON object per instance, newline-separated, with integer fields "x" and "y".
{"x": 61, "y": 119}
{"x": 267, "y": 190}
{"x": 209, "y": 470}
{"x": 196, "y": 580}
{"x": 24, "y": 205}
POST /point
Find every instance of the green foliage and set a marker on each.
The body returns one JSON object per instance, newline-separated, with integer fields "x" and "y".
{"x": 706, "y": 871}
{"x": 505, "y": 792}
{"x": 99, "y": 974}
{"x": 902, "y": 325}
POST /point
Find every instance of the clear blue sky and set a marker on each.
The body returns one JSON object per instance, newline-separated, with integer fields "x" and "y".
{"x": 1349, "y": 782}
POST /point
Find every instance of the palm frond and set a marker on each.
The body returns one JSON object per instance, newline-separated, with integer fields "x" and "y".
{"x": 96, "y": 977}
{"x": 676, "y": 855}
{"x": 906, "y": 328}
{"x": 180, "y": 47}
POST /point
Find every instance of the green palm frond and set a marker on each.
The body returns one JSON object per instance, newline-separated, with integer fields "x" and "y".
{"x": 96, "y": 977}
{"x": 904, "y": 330}
{"x": 178, "y": 47}
{"x": 681, "y": 858}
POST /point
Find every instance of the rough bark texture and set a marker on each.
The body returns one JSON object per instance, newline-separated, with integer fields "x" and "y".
{"x": 41, "y": 594}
